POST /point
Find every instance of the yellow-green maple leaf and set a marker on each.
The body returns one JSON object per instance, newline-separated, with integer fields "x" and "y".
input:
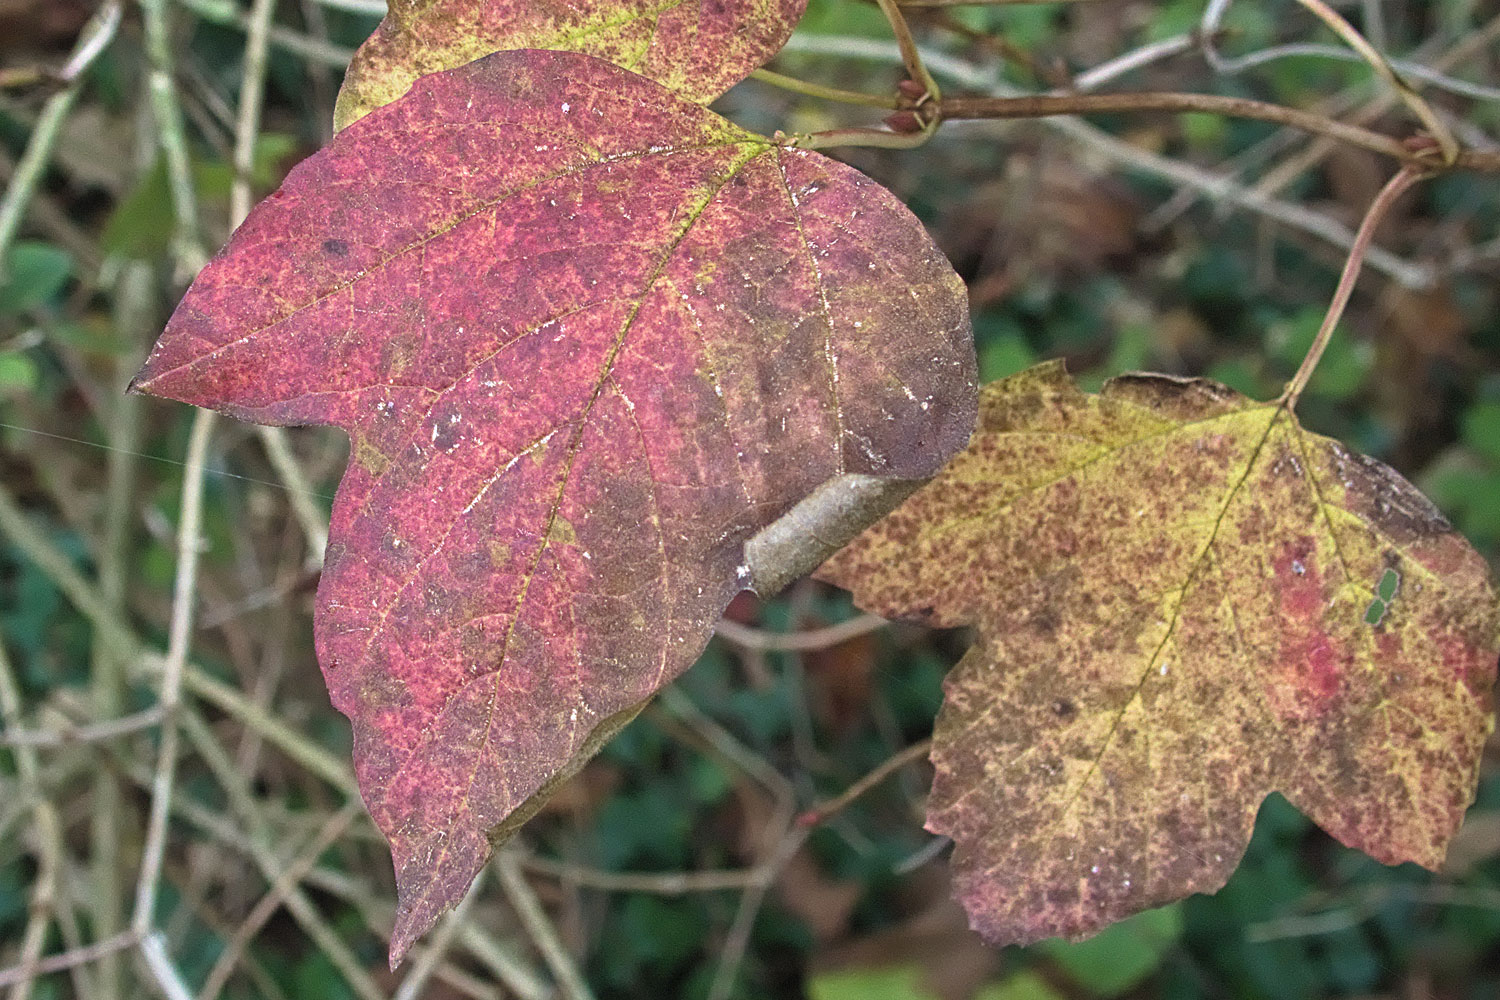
{"x": 1184, "y": 603}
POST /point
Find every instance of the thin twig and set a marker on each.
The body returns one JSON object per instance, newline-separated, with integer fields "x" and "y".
{"x": 428, "y": 961}
{"x": 300, "y": 494}
{"x": 911, "y": 56}
{"x": 1135, "y": 59}
{"x": 737, "y": 941}
{"x": 1407, "y": 68}
{"x": 275, "y": 897}
{"x": 135, "y": 319}
{"x": 178, "y": 643}
{"x": 654, "y": 883}
{"x": 1367, "y": 904}
{"x": 1466, "y": 48}
{"x": 187, "y": 242}
{"x": 1378, "y": 62}
{"x": 96, "y": 37}
{"x": 94, "y": 732}
{"x": 313, "y": 50}
{"x": 109, "y": 627}
{"x": 513, "y": 881}
{"x": 1211, "y": 185}
{"x": 824, "y": 811}
{"x": 1047, "y": 105}
{"x": 247, "y": 118}
{"x": 377, "y": 915}
{"x": 677, "y": 706}
{"x": 184, "y": 597}
{"x": 154, "y": 952}
{"x": 302, "y": 909}
{"x": 49, "y": 845}
{"x": 810, "y": 640}
{"x": 69, "y": 959}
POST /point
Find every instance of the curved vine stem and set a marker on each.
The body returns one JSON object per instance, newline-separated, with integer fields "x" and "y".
{"x": 1398, "y": 185}
{"x": 1383, "y": 68}
{"x": 910, "y": 56}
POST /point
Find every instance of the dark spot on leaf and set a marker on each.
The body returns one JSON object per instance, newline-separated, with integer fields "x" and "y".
{"x": 1064, "y": 709}
{"x": 336, "y": 248}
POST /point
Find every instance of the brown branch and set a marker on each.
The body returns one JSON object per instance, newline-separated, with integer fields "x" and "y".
{"x": 1048, "y": 105}
{"x": 825, "y": 521}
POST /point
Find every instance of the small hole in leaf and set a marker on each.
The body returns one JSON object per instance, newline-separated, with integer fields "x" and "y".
{"x": 1375, "y": 612}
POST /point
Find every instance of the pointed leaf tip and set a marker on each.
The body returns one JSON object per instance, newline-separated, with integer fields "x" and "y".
{"x": 588, "y": 339}
{"x": 1172, "y": 587}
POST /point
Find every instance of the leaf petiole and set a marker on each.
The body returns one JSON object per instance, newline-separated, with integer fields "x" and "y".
{"x": 877, "y": 138}
{"x": 1398, "y": 185}
{"x": 818, "y": 90}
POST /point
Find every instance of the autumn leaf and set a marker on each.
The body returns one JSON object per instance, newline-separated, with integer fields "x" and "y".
{"x": 587, "y": 338}
{"x": 1184, "y": 603}
{"x": 699, "y": 48}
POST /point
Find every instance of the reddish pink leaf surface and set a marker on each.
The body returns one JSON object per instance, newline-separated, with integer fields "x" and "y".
{"x": 587, "y": 338}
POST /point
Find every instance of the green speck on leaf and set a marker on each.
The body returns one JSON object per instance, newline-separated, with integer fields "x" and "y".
{"x": 1388, "y": 585}
{"x": 1375, "y": 612}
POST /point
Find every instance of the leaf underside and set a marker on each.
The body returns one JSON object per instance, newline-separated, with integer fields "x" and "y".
{"x": 587, "y": 338}
{"x": 699, "y": 48}
{"x": 1176, "y": 589}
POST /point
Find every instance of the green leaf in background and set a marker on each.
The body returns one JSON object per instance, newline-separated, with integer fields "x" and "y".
{"x": 92, "y": 334}
{"x": 1003, "y": 349}
{"x": 839, "y": 17}
{"x": 1022, "y": 986}
{"x": 894, "y": 982}
{"x": 1464, "y": 487}
{"x": 1111, "y": 963}
{"x": 1025, "y": 25}
{"x": 1345, "y": 365}
{"x": 18, "y": 375}
{"x": 1241, "y": 376}
{"x": 1482, "y": 429}
{"x": 142, "y": 225}
{"x": 34, "y": 274}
